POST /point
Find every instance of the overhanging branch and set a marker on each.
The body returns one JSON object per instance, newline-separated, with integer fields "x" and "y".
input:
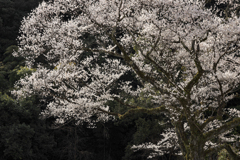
{"x": 229, "y": 125}
{"x": 153, "y": 111}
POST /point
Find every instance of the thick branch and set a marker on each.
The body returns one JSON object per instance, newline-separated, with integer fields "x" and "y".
{"x": 198, "y": 65}
{"x": 193, "y": 81}
{"x": 229, "y": 125}
{"x": 153, "y": 111}
{"x": 109, "y": 113}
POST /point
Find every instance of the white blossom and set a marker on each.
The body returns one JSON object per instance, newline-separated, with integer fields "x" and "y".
{"x": 185, "y": 56}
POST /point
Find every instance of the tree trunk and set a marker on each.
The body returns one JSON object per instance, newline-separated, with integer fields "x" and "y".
{"x": 195, "y": 150}
{"x": 194, "y": 155}
{"x": 197, "y": 156}
{"x": 192, "y": 146}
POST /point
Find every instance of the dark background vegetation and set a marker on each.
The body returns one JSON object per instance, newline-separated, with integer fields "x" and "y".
{"x": 23, "y": 135}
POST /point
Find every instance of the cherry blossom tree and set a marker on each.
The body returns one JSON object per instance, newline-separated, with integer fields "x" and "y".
{"x": 185, "y": 56}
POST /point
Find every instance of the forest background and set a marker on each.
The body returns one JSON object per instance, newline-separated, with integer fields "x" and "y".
{"x": 23, "y": 135}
